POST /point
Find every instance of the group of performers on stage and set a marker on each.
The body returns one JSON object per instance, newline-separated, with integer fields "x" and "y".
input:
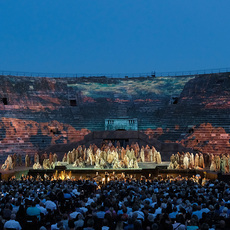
{"x": 220, "y": 163}
{"x": 108, "y": 156}
{"x": 200, "y": 161}
{"x": 12, "y": 161}
{"x": 186, "y": 161}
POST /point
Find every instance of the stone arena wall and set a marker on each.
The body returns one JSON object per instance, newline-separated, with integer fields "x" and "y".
{"x": 36, "y": 112}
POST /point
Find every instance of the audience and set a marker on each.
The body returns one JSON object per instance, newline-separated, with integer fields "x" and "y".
{"x": 130, "y": 204}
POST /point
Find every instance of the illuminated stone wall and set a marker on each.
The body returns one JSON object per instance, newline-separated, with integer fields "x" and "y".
{"x": 38, "y": 112}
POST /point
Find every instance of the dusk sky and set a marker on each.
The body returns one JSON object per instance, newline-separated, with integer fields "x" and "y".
{"x": 114, "y": 36}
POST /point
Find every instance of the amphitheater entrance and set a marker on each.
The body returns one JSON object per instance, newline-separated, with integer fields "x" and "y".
{"x": 120, "y": 124}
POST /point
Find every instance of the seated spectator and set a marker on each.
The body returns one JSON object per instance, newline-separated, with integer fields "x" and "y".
{"x": 33, "y": 211}
{"x": 192, "y": 224}
{"x": 221, "y": 225}
{"x": 198, "y": 212}
{"x": 12, "y": 223}
{"x": 50, "y": 205}
{"x": 90, "y": 224}
{"x": 71, "y": 225}
{"x": 6, "y": 213}
{"x": 42, "y": 208}
{"x": 137, "y": 225}
{"x": 204, "y": 208}
{"x": 174, "y": 213}
{"x": 155, "y": 226}
{"x": 79, "y": 222}
{"x": 42, "y": 228}
{"x": 74, "y": 214}
{"x": 222, "y": 206}
{"x": 67, "y": 194}
{"x": 65, "y": 221}
{"x": 204, "y": 226}
{"x": 131, "y": 221}
{"x": 140, "y": 214}
{"x": 124, "y": 216}
{"x": 105, "y": 225}
{"x": 224, "y": 212}
{"x": 180, "y": 222}
{"x": 101, "y": 213}
{"x": 21, "y": 215}
{"x": 58, "y": 225}
{"x": 119, "y": 225}
{"x": 158, "y": 210}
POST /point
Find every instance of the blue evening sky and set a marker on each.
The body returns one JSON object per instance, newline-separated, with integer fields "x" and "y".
{"x": 114, "y": 36}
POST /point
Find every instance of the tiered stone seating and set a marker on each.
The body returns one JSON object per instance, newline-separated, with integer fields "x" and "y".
{"x": 36, "y": 104}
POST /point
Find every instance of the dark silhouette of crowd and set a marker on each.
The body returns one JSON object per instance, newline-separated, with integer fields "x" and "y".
{"x": 173, "y": 203}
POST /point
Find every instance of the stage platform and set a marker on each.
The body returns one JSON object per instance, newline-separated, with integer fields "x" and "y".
{"x": 18, "y": 171}
{"x": 146, "y": 169}
{"x": 145, "y": 165}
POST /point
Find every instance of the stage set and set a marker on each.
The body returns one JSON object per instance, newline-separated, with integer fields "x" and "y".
{"x": 110, "y": 162}
{"x": 146, "y": 170}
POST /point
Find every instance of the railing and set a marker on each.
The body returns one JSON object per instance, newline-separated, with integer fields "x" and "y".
{"x": 193, "y": 72}
{"x": 116, "y": 75}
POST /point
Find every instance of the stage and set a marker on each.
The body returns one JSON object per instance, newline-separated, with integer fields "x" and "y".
{"x": 146, "y": 170}
{"x": 18, "y": 171}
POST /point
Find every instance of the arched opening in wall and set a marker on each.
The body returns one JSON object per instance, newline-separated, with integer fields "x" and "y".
{"x": 4, "y": 101}
{"x": 54, "y": 130}
{"x": 175, "y": 100}
{"x": 191, "y": 130}
{"x": 73, "y": 102}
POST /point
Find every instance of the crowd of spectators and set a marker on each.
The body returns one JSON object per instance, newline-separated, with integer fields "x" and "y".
{"x": 179, "y": 203}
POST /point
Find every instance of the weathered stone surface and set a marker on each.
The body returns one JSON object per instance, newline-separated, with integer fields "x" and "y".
{"x": 31, "y": 136}
{"x": 211, "y": 91}
{"x": 208, "y": 139}
{"x": 30, "y": 107}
